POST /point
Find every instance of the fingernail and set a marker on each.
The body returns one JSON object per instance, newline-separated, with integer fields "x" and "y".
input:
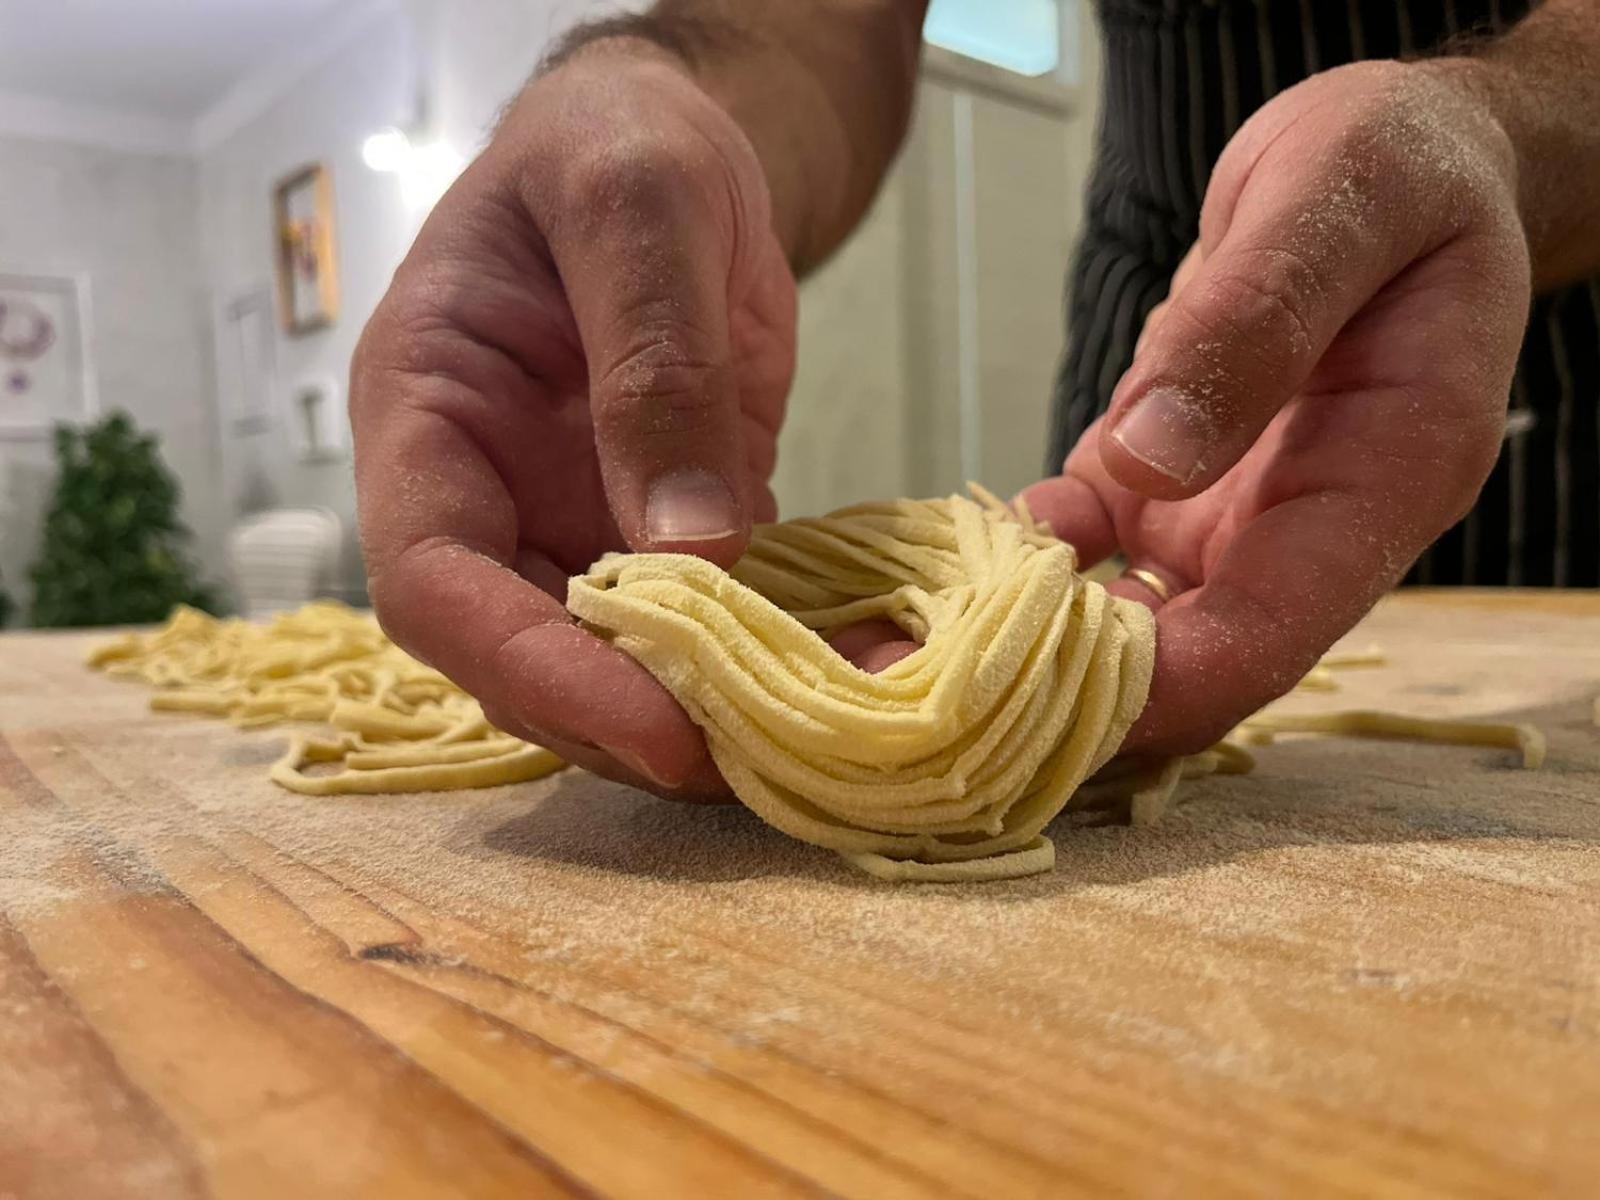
{"x": 1168, "y": 432}
{"x": 690, "y": 506}
{"x": 637, "y": 765}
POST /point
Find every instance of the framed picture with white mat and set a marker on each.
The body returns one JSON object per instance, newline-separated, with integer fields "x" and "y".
{"x": 46, "y": 372}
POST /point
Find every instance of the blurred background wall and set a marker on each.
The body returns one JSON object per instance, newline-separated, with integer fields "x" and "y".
{"x": 141, "y": 142}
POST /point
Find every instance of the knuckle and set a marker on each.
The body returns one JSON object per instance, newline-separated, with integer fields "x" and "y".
{"x": 403, "y": 342}
{"x": 662, "y": 384}
{"x": 431, "y": 337}
{"x": 1270, "y": 293}
{"x": 637, "y": 173}
{"x": 416, "y": 318}
{"x": 403, "y": 335}
{"x": 1449, "y": 161}
{"x": 1251, "y": 320}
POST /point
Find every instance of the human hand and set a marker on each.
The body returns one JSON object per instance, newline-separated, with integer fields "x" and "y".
{"x": 587, "y": 349}
{"x": 1321, "y": 396}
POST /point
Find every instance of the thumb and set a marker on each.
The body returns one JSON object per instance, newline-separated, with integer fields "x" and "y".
{"x": 1304, "y": 248}
{"x": 646, "y": 272}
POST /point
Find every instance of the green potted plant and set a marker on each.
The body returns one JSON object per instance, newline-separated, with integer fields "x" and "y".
{"x": 113, "y": 546}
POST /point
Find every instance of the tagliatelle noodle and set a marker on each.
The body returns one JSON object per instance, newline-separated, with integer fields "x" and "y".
{"x": 947, "y": 764}
{"x": 400, "y": 726}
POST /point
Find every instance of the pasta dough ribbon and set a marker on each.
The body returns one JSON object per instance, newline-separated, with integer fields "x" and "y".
{"x": 946, "y": 765}
{"x": 402, "y": 726}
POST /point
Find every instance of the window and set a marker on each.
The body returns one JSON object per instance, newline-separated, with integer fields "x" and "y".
{"x": 1023, "y": 36}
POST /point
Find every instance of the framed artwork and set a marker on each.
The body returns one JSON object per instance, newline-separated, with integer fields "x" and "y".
{"x": 308, "y": 272}
{"x": 246, "y": 370}
{"x": 45, "y": 371}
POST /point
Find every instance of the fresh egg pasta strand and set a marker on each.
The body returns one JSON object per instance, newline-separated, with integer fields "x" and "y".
{"x": 400, "y": 726}
{"x": 950, "y": 763}
{"x": 519, "y": 765}
{"x": 1528, "y": 740}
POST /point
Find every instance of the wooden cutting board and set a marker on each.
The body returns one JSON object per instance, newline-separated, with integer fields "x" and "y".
{"x": 1367, "y": 969}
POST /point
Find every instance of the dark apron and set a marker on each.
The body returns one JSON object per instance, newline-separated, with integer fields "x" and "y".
{"x": 1180, "y": 76}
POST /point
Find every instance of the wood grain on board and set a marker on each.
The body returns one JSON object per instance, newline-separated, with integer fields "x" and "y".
{"x": 1367, "y": 969}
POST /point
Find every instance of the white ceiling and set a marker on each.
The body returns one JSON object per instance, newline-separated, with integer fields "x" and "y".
{"x": 171, "y": 60}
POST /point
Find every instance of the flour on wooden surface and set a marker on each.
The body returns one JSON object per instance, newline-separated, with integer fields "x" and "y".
{"x": 1388, "y": 874}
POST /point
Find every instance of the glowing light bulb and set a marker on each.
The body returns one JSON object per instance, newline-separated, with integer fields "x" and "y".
{"x": 388, "y": 150}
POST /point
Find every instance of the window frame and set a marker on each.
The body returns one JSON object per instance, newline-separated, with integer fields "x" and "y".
{"x": 1056, "y": 92}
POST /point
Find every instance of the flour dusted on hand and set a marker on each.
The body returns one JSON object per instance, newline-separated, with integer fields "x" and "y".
{"x": 949, "y": 763}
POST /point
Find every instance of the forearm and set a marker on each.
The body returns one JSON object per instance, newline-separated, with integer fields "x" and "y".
{"x": 822, "y": 88}
{"x": 1541, "y": 80}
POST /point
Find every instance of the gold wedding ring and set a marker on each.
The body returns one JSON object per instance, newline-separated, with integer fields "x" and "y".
{"x": 1152, "y": 581}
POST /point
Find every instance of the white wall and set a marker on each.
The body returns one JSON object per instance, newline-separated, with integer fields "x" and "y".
{"x": 929, "y": 343}
{"x": 324, "y": 117}
{"x": 128, "y": 223}
{"x": 481, "y": 52}
{"x": 869, "y": 416}
{"x": 472, "y": 55}
{"x": 847, "y": 432}
{"x": 168, "y": 241}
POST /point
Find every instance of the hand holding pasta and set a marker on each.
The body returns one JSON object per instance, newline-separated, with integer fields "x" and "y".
{"x": 1323, "y": 392}
{"x": 945, "y": 765}
{"x": 587, "y": 349}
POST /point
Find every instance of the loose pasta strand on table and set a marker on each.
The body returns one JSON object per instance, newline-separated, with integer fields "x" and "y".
{"x": 1525, "y": 739}
{"x": 401, "y": 726}
{"x": 946, "y": 766}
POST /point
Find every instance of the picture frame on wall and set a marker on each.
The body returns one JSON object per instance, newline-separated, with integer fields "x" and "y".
{"x": 246, "y": 367}
{"x": 46, "y": 372}
{"x": 308, "y": 271}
